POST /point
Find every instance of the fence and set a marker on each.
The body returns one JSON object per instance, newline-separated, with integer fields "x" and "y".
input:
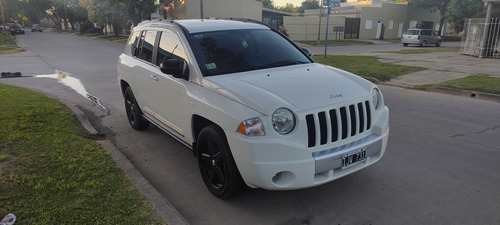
{"x": 473, "y": 37}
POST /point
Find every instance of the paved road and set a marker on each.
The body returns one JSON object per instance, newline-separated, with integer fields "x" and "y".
{"x": 441, "y": 164}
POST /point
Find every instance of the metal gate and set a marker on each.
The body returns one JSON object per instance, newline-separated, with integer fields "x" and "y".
{"x": 473, "y": 37}
{"x": 351, "y": 30}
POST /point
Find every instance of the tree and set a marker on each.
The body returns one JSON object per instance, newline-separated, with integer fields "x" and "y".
{"x": 289, "y": 7}
{"x": 458, "y": 10}
{"x": 11, "y": 10}
{"x": 140, "y": 9}
{"x": 308, "y": 4}
{"x": 435, "y": 5}
{"x": 173, "y": 6}
{"x": 267, "y": 4}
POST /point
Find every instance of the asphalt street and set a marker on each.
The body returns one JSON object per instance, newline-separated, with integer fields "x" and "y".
{"x": 441, "y": 164}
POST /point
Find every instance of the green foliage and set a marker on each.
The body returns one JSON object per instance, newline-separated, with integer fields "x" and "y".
{"x": 434, "y": 5}
{"x": 308, "y": 4}
{"x": 53, "y": 173}
{"x": 458, "y": 10}
{"x": 11, "y": 10}
{"x": 267, "y": 4}
{"x": 289, "y": 7}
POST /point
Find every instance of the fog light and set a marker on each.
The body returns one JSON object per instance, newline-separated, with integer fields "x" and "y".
{"x": 277, "y": 177}
{"x": 283, "y": 179}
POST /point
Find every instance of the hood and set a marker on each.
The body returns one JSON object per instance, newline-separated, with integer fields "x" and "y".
{"x": 297, "y": 87}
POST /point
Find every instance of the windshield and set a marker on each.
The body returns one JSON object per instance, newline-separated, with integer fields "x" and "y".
{"x": 233, "y": 51}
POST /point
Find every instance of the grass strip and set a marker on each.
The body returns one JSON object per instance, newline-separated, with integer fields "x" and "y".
{"x": 53, "y": 172}
{"x": 367, "y": 66}
{"x": 113, "y": 37}
{"x": 10, "y": 46}
{"x": 423, "y": 50}
{"x": 333, "y": 42}
{"x": 476, "y": 82}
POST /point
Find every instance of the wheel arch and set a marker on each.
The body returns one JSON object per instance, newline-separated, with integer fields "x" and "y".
{"x": 123, "y": 86}
{"x": 197, "y": 124}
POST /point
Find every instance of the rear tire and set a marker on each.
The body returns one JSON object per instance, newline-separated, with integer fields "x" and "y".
{"x": 216, "y": 163}
{"x": 405, "y": 44}
{"x": 134, "y": 113}
{"x": 423, "y": 44}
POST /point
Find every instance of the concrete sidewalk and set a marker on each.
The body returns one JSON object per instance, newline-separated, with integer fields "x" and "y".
{"x": 442, "y": 66}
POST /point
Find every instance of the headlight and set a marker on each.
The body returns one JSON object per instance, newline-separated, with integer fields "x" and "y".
{"x": 377, "y": 98}
{"x": 283, "y": 121}
{"x": 251, "y": 127}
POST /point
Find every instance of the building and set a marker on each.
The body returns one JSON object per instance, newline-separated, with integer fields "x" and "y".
{"x": 351, "y": 20}
{"x": 182, "y": 9}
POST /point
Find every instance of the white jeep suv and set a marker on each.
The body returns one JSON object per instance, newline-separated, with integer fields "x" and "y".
{"x": 254, "y": 107}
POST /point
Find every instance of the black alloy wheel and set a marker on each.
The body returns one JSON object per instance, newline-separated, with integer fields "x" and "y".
{"x": 134, "y": 113}
{"x": 216, "y": 163}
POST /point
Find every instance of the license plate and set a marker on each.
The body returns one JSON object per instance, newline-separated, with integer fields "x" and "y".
{"x": 353, "y": 157}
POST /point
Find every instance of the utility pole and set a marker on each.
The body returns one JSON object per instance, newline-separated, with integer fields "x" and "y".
{"x": 66, "y": 13}
{"x": 3, "y": 23}
{"x": 327, "y": 20}
{"x": 201, "y": 9}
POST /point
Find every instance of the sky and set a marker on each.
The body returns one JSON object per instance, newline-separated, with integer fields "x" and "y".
{"x": 283, "y": 2}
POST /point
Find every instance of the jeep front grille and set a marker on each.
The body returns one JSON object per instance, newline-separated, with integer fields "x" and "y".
{"x": 338, "y": 124}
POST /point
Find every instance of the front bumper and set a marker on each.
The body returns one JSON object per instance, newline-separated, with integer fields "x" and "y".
{"x": 284, "y": 164}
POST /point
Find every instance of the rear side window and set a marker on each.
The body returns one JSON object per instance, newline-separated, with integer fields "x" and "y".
{"x": 426, "y": 32}
{"x": 133, "y": 42}
{"x": 411, "y": 32}
{"x": 147, "y": 45}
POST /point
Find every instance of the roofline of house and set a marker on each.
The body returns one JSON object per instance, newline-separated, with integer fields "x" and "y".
{"x": 278, "y": 11}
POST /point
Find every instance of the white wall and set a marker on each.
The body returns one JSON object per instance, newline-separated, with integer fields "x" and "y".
{"x": 250, "y": 9}
{"x": 306, "y": 28}
{"x": 387, "y": 14}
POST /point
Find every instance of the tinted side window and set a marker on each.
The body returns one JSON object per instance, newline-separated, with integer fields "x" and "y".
{"x": 148, "y": 45}
{"x": 169, "y": 47}
{"x": 133, "y": 42}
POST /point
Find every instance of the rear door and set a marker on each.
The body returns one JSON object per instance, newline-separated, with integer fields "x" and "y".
{"x": 144, "y": 71}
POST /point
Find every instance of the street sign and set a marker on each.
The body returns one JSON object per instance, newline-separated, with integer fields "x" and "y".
{"x": 331, "y": 3}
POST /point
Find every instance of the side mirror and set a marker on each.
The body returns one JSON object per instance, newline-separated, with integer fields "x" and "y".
{"x": 307, "y": 51}
{"x": 175, "y": 67}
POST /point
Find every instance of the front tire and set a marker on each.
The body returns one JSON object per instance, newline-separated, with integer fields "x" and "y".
{"x": 216, "y": 163}
{"x": 134, "y": 113}
{"x": 405, "y": 44}
{"x": 438, "y": 43}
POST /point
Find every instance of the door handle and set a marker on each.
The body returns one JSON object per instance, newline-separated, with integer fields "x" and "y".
{"x": 154, "y": 77}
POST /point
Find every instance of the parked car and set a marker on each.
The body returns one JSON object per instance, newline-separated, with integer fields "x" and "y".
{"x": 420, "y": 37}
{"x": 252, "y": 105}
{"x": 16, "y": 29}
{"x": 7, "y": 26}
{"x": 36, "y": 27}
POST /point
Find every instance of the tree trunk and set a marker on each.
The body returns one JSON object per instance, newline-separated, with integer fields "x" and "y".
{"x": 441, "y": 22}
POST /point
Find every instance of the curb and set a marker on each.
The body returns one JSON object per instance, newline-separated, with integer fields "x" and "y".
{"x": 162, "y": 206}
{"x": 451, "y": 91}
{"x": 465, "y": 93}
